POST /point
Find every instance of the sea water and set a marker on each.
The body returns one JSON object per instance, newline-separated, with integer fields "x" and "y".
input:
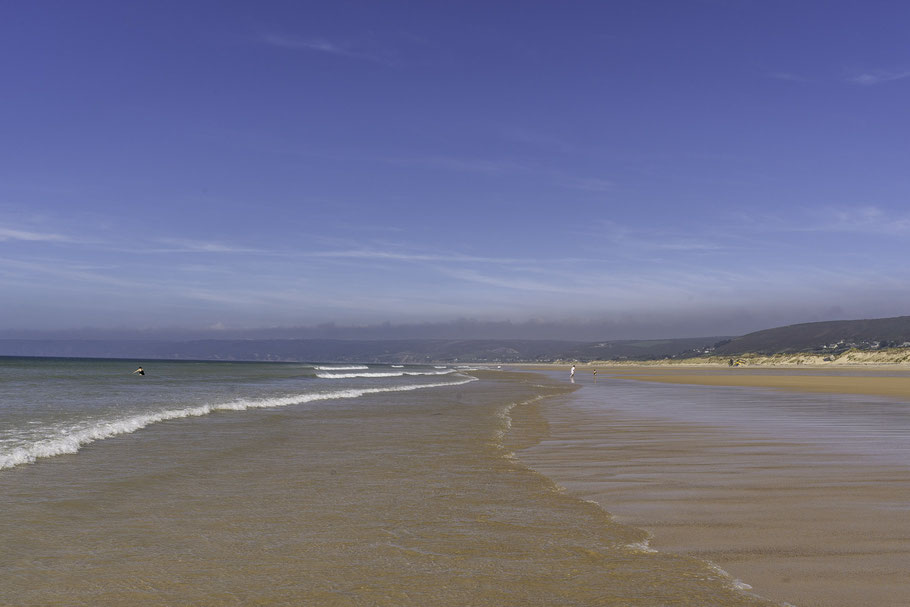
{"x": 51, "y": 407}
{"x": 291, "y": 484}
{"x": 857, "y": 426}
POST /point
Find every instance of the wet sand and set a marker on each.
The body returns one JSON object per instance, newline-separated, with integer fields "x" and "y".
{"x": 801, "y": 521}
{"x": 400, "y": 499}
{"x": 876, "y": 381}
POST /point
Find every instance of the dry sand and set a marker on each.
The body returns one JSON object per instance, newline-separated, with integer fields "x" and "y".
{"x": 801, "y": 525}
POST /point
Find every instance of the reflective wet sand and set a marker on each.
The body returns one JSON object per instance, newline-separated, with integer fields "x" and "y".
{"x": 407, "y": 499}
{"x": 804, "y": 496}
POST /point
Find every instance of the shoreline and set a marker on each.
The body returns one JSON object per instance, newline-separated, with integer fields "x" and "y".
{"x": 853, "y": 357}
{"x": 407, "y": 498}
{"x": 799, "y": 522}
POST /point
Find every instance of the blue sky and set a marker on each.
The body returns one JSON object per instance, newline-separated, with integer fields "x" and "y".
{"x": 681, "y": 168}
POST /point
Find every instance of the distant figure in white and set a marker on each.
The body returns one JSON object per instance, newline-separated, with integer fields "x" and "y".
{"x": 572, "y": 373}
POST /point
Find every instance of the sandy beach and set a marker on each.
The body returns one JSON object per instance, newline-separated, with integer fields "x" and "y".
{"x": 477, "y": 491}
{"x": 391, "y": 498}
{"x": 807, "y": 520}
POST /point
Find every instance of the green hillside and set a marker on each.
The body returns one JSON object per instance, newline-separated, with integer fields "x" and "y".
{"x": 822, "y": 337}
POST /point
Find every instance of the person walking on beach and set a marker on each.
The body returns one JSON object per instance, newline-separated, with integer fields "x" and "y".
{"x": 140, "y": 371}
{"x": 572, "y": 372}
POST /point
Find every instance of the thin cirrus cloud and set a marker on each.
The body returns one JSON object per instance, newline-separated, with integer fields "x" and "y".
{"x": 378, "y": 255}
{"x": 873, "y": 77}
{"x": 321, "y": 45}
{"x": 170, "y": 245}
{"x": 861, "y": 78}
{"x": 633, "y": 241}
{"x": 67, "y": 272}
{"x": 866, "y": 219}
{"x": 7, "y": 234}
{"x": 510, "y": 282}
{"x": 529, "y": 264}
{"x": 589, "y": 184}
{"x": 789, "y": 77}
{"x": 462, "y": 165}
{"x": 198, "y": 246}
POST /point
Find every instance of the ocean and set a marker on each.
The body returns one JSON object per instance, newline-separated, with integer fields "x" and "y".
{"x": 217, "y": 483}
{"x": 51, "y": 407}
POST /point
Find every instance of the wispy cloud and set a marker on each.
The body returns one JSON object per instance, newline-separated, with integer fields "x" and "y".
{"x": 321, "y": 45}
{"x": 198, "y": 246}
{"x": 856, "y": 77}
{"x": 9, "y": 234}
{"x": 874, "y": 77}
{"x": 861, "y": 224}
{"x": 466, "y": 165}
{"x": 510, "y": 282}
{"x": 870, "y": 219}
{"x": 378, "y": 255}
{"x": 589, "y": 184}
{"x": 452, "y": 261}
{"x": 538, "y": 140}
{"x": 788, "y": 76}
{"x": 688, "y": 244}
{"x": 71, "y": 272}
{"x": 637, "y": 240}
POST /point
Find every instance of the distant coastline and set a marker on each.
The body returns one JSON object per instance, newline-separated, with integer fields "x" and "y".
{"x": 852, "y": 357}
{"x": 883, "y": 341}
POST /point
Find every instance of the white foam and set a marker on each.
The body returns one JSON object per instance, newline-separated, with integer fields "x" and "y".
{"x": 736, "y": 584}
{"x": 505, "y": 415}
{"x": 642, "y": 546}
{"x": 73, "y": 439}
{"x": 341, "y": 368}
{"x": 381, "y": 374}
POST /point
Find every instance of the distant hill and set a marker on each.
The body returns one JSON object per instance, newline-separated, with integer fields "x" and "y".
{"x": 340, "y": 350}
{"x": 831, "y": 336}
{"x": 641, "y": 349}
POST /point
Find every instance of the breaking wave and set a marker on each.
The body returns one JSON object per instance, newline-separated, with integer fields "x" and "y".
{"x": 381, "y": 374}
{"x": 74, "y": 438}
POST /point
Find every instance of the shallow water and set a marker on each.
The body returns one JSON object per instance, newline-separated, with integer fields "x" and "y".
{"x": 49, "y": 407}
{"x": 409, "y": 498}
{"x": 870, "y": 427}
{"x": 803, "y": 496}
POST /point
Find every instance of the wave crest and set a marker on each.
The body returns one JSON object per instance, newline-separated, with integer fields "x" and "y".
{"x": 75, "y": 438}
{"x": 381, "y": 374}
